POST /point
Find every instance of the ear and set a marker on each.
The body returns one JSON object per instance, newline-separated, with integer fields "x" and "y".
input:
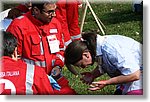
{"x": 15, "y": 55}
{"x": 86, "y": 54}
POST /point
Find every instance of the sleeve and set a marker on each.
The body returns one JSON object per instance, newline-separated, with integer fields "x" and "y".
{"x": 59, "y": 57}
{"x": 121, "y": 59}
{"x": 16, "y": 31}
{"x": 42, "y": 83}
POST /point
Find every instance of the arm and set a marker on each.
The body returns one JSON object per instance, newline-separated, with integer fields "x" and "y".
{"x": 42, "y": 84}
{"x": 124, "y": 78}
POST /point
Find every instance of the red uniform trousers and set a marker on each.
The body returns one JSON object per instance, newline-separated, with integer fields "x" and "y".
{"x": 67, "y": 14}
{"x": 72, "y": 19}
{"x": 61, "y": 15}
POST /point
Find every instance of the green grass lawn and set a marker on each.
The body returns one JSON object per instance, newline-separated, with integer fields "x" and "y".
{"x": 119, "y": 19}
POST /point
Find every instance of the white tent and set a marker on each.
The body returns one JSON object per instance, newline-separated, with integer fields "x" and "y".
{"x": 4, "y": 14}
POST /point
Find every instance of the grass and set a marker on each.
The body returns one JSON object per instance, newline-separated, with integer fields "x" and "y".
{"x": 119, "y": 19}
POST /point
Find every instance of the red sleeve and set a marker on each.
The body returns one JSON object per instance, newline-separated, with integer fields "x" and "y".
{"x": 42, "y": 84}
{"x": 59, "y": 56}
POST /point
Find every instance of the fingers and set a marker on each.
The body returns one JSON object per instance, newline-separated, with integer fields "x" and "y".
{"x": 100, "y": 82}
{"x": 93, "y": 85}
{"x": 97, "y": 85}
{"x": 94, "y": 88}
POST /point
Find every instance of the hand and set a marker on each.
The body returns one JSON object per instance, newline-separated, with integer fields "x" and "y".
{"x": 56, "y": 71}
{"x": 97, "y": 85}
{"x": 87, "y": 77}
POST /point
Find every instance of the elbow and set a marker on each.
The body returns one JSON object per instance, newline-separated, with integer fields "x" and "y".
{"x": 136, "y": 75}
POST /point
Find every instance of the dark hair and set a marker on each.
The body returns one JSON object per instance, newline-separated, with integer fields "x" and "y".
{"x": 90, "y": 39}
{"x": 9, "y": 43}
{"x": 73, "y": 53}
{"x": 14, "y": 13}
{"x": 40, "y": 4}
{"x": 75, "y": 49}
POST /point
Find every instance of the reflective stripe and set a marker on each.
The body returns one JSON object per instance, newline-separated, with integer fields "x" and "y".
{"x": 41, "y": 47}
{"x": 37, "y": 63}
{"x": 29, "y": 79}
{"x": 62, "y": 49}
{"x": 76, "y": 36}
{"x": 61, "y": 57}
{"x": 68, "y": 42}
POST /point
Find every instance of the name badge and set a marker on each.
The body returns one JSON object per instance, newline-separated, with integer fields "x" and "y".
{"x": 53, "y": 43}
{"x": 53, "y": 31}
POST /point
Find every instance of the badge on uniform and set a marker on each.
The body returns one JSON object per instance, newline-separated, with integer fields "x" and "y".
{"x": 53, "y": 43}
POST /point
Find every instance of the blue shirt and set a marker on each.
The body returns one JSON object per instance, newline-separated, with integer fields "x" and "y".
{"x": 121, "y": 56}
{"x": 5, "y": 23}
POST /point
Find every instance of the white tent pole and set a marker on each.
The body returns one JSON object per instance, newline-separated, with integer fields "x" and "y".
{"x": 88, "y": 4}
{"x": 83, "y": 17}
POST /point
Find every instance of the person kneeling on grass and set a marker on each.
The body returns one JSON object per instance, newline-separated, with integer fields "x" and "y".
{"x": 118, "y": 56}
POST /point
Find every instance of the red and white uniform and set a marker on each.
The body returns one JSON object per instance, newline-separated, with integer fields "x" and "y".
{"x": 35, "y": 42}
{"x": 17, "y": 77}
{"x": 67, "y": 14}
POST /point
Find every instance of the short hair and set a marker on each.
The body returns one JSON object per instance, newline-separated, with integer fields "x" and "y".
{"x": 40, "y": 4}
{"x": 9, "y": 43}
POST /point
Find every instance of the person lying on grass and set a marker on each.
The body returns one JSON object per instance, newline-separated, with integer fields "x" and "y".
{"x": 118, "y": 56}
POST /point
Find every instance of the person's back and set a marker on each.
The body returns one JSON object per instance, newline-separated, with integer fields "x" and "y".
{"x": 20, "y": 78}
{"x": 17, "y": 77}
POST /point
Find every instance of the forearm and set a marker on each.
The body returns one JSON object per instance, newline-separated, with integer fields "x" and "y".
{"x": 124, "y": 78}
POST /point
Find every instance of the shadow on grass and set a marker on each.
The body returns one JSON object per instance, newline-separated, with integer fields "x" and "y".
{"x": 121, "y": 17}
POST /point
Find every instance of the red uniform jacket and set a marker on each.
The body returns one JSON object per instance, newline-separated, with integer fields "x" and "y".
{"x": 17, "y": 77}
{"x": 33, "y": 42}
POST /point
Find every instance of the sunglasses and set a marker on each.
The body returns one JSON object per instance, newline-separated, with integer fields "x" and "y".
{"x": 49, "y": 11}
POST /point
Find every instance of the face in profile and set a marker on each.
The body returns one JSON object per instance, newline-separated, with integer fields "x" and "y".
{"x": 48, "y": 12}
{"x": 86, "y": 60}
